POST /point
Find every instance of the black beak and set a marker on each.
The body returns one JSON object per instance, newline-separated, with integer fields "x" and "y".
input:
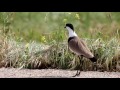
{"x": 65, "y": 27}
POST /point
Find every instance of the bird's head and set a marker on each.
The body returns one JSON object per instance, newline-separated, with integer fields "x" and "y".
{"x": 69, "y": 26}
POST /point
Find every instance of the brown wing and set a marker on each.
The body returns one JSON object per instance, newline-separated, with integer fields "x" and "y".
{"x": 80, "y": 47}
{"x": 85, "y": 45}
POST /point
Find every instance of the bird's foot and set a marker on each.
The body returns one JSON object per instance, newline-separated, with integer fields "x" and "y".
{"x": 77, "y": 74}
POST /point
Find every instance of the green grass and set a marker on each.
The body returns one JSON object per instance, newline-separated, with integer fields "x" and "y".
{"x": 38, "y": 40}
{"x": 33, "y": 25}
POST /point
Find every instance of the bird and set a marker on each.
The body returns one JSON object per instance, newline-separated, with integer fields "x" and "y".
{"x": 78, "y": 46}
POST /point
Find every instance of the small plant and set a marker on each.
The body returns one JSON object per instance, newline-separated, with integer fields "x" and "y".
{"x": 38, "y": 40}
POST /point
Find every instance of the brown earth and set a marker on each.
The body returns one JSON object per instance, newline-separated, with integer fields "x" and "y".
{"x": 53, "y": 73}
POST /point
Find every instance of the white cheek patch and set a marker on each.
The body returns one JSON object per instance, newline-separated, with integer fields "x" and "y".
{"x": 71, "y": 32}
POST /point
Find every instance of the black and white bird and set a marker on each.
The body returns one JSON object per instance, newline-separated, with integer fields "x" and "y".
{"x": 77, "y": 45}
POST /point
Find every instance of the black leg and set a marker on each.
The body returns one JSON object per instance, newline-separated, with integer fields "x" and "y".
{"x": 77, "y": 74}
{"x": 81, "y": 61}
{"x": 79, "y": 71}
{"x": 95, "y": 66}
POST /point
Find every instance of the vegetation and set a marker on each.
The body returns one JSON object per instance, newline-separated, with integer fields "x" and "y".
{"x": 38, "y": 40}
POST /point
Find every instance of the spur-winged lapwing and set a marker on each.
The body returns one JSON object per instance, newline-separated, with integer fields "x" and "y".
{"x": 77, "y": 45}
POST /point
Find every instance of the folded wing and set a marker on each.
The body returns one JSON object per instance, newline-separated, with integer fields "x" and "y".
{"x": 79, "y": 47}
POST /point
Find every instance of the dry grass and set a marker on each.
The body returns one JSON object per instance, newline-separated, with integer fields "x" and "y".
{"x": 36, "y": 55}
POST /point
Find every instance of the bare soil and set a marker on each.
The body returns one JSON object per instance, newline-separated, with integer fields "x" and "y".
{"x": 53, "y": 73}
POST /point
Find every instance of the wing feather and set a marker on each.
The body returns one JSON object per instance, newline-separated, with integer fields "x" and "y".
{"x": 80, "y": 47}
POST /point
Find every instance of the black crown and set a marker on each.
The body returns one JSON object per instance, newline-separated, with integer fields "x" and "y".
{"x": 70, "y": 25}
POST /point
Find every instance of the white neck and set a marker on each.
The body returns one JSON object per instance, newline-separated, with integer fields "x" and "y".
{"x": 71, "y": 32}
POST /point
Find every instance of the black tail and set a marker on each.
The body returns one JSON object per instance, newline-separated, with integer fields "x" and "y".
{"x": 93, "y": 59}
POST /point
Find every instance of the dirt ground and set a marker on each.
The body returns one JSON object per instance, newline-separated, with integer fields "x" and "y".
{"x": 53, "y": 73}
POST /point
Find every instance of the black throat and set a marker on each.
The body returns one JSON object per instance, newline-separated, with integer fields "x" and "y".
{"x": 70, "y": 38}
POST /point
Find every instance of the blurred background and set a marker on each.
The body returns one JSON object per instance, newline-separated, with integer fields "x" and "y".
{"x": 50, "y": 25}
